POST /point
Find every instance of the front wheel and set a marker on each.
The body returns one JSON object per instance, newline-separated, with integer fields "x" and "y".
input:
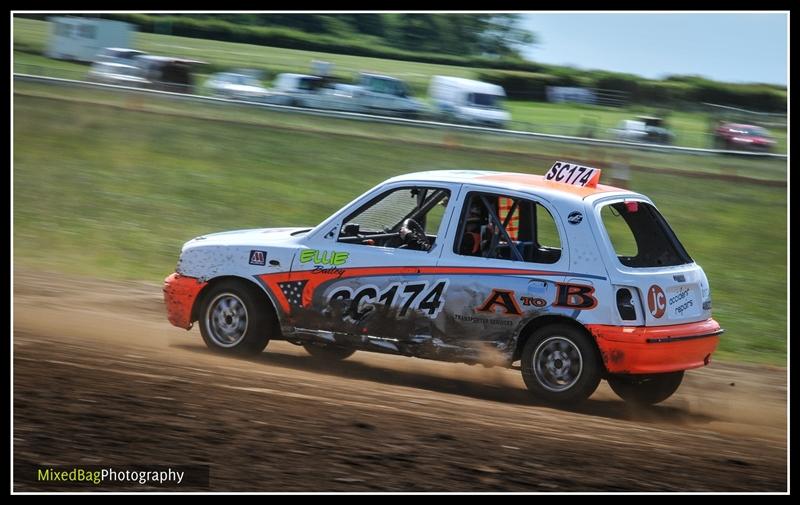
{"x": 645, "y": 389}
{"x": 560, "y": 364}
{"x": 328, "y": 352}
{"x": 236, "y": 318}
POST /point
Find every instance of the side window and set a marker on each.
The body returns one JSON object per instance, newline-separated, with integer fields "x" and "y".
{"x": 366, "y": 82}
{"x": 620, "y": 233}
{"x": 507, "y": 227}
{"x": 546, "y": 228}
{"x": 404, "y": 218}
{"x": 380, "y": 86}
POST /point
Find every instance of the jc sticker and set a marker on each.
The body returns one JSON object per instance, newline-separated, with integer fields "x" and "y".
{"x": 656, "y": 301}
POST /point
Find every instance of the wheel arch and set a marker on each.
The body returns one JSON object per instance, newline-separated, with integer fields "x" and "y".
{"x": 530, "y": 327}
{"x": 198, "y": 302}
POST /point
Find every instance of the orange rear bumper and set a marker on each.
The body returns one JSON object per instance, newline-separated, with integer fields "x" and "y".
{"x": 656, "y": 349}
{"x": 180, "y": 293}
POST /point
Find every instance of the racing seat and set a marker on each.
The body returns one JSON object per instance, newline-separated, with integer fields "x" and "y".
{"x": 470, "y": 244}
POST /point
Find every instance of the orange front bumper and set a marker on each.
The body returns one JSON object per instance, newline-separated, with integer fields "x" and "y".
{"x": 180, "y": 293}
{"x": 656, "y": 349}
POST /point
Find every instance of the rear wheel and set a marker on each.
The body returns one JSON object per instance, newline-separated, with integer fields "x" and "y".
{"x": 560, "y": 364}
{"x": 328, "y": 352}
{"x": 645, "y": 389}
{"x": 236, "y": 318}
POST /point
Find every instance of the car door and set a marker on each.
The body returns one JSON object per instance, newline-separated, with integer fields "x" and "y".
{"x": 368, "y": 93}
{"x": 365, "y": 281}
{"x": 494, "y": 290}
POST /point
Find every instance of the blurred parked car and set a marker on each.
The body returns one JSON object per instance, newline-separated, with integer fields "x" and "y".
{"x": 373, "y": 94}
{"x": 644, "y": 129}
{"x": 166, "y": 73}
{"x": 736, "y": 137}
{"x": 237, "y": 86}
{"x": 339, "y": 97}
{"x": 297, "y": 89}
{"x": 382, "y": 94}
{"x": 117, "y": 73}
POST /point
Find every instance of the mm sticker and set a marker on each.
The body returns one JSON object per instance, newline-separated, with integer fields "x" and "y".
{"x": 656, "y": 301}
{"x": 258, "y": 257}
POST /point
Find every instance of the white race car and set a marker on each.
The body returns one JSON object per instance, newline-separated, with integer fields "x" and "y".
{"x": 575, "y": 280}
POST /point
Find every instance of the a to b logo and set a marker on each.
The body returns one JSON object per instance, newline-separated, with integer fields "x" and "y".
{"x": 575, "y": 296}
{"x": 502, "y": 299}
{"x": 656, "y": 301}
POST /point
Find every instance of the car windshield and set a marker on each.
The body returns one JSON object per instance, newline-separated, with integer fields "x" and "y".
{"x": 244, "y": 80}
{"x": 307, "y": 83}
{"x": 484, "y": 100}
{"x": 386, "y": 85}
{"x": 400, "y": 89}
{"x": 641, "y": 236}
{"x": 652, "y": 121}
{"x": 756, "y": 131}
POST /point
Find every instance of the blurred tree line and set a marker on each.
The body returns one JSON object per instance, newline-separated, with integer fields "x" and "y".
{"x": 494, "y": 35}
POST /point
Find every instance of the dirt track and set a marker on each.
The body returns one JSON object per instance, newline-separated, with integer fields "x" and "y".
{"x": 101, "y": 378}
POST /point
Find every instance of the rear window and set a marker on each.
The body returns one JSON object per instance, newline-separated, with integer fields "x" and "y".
{"x": 641, "y": 237}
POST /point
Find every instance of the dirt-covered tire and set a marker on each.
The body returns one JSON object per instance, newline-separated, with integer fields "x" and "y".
{"x": 328, "y": 352}
{"x": 236, "y": 318}
{"x": 645, "y": 389}
{"x": 560, "y": 364}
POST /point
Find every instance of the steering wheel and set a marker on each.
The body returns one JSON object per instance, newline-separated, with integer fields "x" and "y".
{"x": 414, "y": 235}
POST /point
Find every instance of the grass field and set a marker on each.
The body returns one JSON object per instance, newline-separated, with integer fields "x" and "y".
{"x": 112, "y": 192}
{"x": 30, "y": 38}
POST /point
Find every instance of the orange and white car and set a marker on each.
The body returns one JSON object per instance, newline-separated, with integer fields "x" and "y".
{"x": 574, "y": 280}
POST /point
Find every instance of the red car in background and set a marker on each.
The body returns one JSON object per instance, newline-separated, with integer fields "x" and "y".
{"x": 742, "y": 137}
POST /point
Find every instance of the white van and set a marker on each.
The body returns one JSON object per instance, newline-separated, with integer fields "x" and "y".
{"x": 469, "y": 101}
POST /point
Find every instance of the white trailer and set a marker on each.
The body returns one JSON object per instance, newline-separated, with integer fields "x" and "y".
{"x": 81, "y": 39}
